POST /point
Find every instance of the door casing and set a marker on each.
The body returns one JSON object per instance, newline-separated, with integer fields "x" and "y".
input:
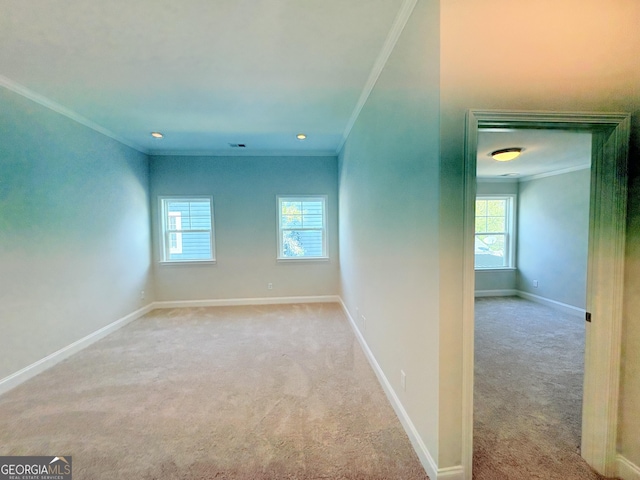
{"x": 607, "y": 221}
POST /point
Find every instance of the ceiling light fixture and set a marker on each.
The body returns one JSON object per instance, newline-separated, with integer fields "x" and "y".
{"x": 506, "y": 154}
{"x": 156, "y": 135}
{"x": 301, "y": 136}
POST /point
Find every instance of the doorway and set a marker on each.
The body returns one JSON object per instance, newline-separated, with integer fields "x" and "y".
{"x": 610, "y": 138}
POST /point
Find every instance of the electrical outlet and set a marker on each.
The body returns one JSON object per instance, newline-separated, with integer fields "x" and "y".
{"x": 142, "y": 295}
{"x": 535, "y": 284}
{"x": 270, "y": 286}
{"x": 403, "y": 379}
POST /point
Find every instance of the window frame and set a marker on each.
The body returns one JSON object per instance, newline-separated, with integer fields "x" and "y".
{"x": 280, "y": 246}
{"x": 509, "y": 233}
{"x": 165, "y": 242}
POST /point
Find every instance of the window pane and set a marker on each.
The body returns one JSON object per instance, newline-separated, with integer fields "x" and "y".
{"x": 195, "y": 246}
{"x": 495, "y": 224}
{"x": 490, "y": 251}
{"x": 481, "y": 207}
{"x": 302, "y": 243}
{"x": 496, "y": 208}
{"x": 481, "y": 224}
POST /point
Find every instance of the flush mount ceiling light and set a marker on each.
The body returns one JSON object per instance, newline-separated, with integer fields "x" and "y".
{"x": 506, "y": 154}
{"x": 156, "y": 135}
{"x": 301, "y": 136}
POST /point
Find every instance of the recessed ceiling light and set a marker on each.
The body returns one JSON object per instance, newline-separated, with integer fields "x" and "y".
{"x": 506, "y": 154}
{"x": 301, "y": 136}
{"x": 156, "y": 135}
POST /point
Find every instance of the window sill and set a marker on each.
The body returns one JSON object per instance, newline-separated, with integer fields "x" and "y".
{"x": 497, "y": 269}
{"x": 302, "y": 260}
{"x": 187, "y": 262}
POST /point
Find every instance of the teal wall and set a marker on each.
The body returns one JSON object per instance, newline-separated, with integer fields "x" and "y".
{"x": 553, "y": 235}
{"x": 389, "y": 221}
{"x": 244, "y": 191}
{"x": 74, "y": 231}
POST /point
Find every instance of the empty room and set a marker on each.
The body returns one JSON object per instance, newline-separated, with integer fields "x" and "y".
{"x": 531, "y": 256}
{"x": 237, "y": 239}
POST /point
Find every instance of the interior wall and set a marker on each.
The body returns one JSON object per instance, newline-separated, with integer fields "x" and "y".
{"x": 74, "y": 231}
{"x": 553, "y": 235}
{"x": 244, "y": 193}
{"x": 389, "y": 219}
{"x": 575, "y": 55}
{"x": 498, "y": 279}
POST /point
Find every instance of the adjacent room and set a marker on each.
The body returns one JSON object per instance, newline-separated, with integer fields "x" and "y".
{"x": 233, "y": 238}
{"x": 531, "y": 255}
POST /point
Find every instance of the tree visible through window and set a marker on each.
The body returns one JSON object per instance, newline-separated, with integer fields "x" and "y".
{"x": 494, "y": 232}
{"x": 302, "y": 227}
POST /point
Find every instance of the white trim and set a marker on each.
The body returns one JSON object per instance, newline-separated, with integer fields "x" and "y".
{"x": 425, "y": 457}
{"x": 394, "y": 34}
{"x": 497, "y": 179}
{"x": 562, "y": 171}
{"x": 451, "y": 473}
{"x": 231, "y": 302}
{"x": 49, "y": 361}
{"x": 56, "y": 107}
{"x": 242, "y": 153}
{"x": 565, "y": 307}
{"x": 626, "y": 470}
{"x": 507, "y": 292}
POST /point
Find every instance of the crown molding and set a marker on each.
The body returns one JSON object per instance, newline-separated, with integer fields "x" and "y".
{"x": 56, "y": 107}
{"x": 526, "y": 178}
{"x": 394, "y": 34}
{"x": 242, "y": 153}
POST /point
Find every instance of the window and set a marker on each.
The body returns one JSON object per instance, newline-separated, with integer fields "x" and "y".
{"x": 302, "y": 227}
{"x": 495, "y": 232}
{"x": 187, "y": 229}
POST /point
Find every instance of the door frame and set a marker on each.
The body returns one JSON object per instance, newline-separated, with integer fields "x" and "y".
{"x": 607, "y": 222}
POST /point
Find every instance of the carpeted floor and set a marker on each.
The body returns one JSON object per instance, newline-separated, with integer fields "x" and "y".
{"x": 528, "y": 392}
{"x": 269, "y": 392}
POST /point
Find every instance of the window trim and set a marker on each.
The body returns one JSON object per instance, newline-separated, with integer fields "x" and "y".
{"x": 510, "y": 230}
{"x": 325, "y": 230}
{"x": 164, "y": 233}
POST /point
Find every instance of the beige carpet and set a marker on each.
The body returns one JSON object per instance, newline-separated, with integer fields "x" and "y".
{"x": 528, "y": 392}
{"x": 272, "y": 392}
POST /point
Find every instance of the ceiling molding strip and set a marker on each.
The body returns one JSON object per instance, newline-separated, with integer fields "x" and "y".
{"x": 526, "y": 178}
{"x": 56, "y": 107}
{"x": 389, "y": 44}
{"x": 242, "y": 153}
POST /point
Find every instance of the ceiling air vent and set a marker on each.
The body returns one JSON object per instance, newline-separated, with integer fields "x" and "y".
{"x": 237, "y": 145}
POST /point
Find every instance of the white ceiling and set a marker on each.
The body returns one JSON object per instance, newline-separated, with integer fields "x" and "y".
{"x": 206, "y": 73}
{"x": 544, "y": 151}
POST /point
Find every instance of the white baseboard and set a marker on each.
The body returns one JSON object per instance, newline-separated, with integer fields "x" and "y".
{"x": 451, "y": 473}
{"x": 230, "y": 302}
{"x": 570, "y": 309}
{"x": 49, "y": 361}
{"x": 496, "y": 293}
{"x": 425, "y": 457}
{"x": 626, "y": 470}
